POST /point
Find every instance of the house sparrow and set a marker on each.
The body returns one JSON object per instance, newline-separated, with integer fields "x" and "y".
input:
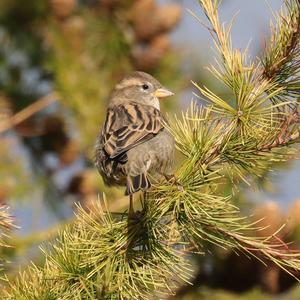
{"x": 133, "y": 141}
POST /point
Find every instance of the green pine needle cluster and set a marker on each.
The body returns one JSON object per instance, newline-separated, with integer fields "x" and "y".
{"x": 281, "y": 60}
{"x": 105, "y": 257}
{"x": 6, "y": 223}
{"x": 108, "y": 256}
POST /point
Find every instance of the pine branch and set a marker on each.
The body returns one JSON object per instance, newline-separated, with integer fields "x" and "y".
{"x": 216, "y": 145}
{"x": 281, "y": 59}
{"x": 289, "y": 132}
{"x": 27, "y": 112}
{"x": 6, "y": 224}
{"x": 202, "y": 214}
{"x": 105, "y": 257}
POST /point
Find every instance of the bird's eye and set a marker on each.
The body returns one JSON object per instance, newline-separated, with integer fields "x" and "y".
{"x": 145, "y": 86}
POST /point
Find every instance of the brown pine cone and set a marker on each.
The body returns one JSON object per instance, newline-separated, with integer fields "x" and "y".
{"x": 270, "y": 218}
{"x": 6, "y": 110}
{"x": 84, "y": 183}
{"x": 293, "y": 216}
{"x": 74, "y": 29}
{"x": 150, "y": 20}
{"x": 62, "y": 8}
{"x": 5, "y": 191}
{"x": 147, "y": 58}
{"x": 69, "y": 153}
{"x": 161, "y": 43}
{"x": 142, "y": 8}
{"x": 169, "y": 16}
{"x": 108, "y": 4}
{"x": 143, "y": 17}
{"x": 54, "y": 138}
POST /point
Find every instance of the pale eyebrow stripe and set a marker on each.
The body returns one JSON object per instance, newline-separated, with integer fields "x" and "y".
{"x": 128, "y": 82}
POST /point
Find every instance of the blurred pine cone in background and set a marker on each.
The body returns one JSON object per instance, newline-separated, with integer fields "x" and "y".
{"x": 151, "y": 25}
{"x": 62, "y": 9}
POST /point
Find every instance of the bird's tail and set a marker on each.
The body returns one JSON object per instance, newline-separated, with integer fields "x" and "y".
{"x": 136, "y": 183}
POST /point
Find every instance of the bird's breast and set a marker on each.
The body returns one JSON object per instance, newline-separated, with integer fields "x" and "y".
{"x": 161, "y": 151}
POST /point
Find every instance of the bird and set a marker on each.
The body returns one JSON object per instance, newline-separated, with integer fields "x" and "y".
{"x": 134, "y": 141}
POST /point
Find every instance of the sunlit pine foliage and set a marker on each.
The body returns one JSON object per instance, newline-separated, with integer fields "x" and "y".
{"x": 6, "y": 223}
{"x": 280, "y": 61}
{"x": 108, "y": 256}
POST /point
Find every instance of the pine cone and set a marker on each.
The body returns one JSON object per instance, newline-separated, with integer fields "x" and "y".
{"x": 69, "y": 153}
{"x": 62, "y": 8}
{"x": 161, "y": 43}
{"x": 143, "y": 17}
{"x": 270, "y": 218}
{"x": 150, "y": 20}
{"x": 83, "y": 184}
{"x": 5, "y": 191}
{"x": 108, "y": 4}
{"x": 169, "y": 16}
{"x": 74, "y": 29}
{"x": 5, "y": 108}
{"x": 142, "y": 8}
{"x": 55, "y": 137}
{"x": 293, "y": 216}
{"x": 147, "y": 57}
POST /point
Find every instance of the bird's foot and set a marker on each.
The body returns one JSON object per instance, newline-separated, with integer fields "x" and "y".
{"x": 133, "y": 216}
{"x": 174, "y": 181}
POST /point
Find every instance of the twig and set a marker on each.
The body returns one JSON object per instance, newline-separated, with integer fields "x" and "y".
{"x": 286, "y": 135}
{"x": 27, "y": 112}
{"x": 290, "y": 50}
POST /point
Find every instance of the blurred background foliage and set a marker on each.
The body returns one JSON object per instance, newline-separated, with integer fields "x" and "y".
{"x": 73, "y": 52}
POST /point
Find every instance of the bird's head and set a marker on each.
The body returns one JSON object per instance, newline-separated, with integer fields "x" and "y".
{"x": 141, "y": 88}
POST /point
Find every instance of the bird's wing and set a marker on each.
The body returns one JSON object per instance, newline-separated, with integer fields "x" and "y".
{"x": 128, "y": 125}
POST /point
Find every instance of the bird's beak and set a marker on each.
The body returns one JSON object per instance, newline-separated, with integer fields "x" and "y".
{"x": 162, "y": 92}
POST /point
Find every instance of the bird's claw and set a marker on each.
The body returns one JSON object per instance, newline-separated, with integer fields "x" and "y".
{"x": 174, "y": 181}
{"x": 179, "y": 186}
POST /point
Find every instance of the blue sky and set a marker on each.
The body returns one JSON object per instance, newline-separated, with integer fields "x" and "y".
{"x": 252, "y": 23}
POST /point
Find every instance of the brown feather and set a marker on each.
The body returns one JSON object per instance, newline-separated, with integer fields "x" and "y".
{"x": 128, "y": 125}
